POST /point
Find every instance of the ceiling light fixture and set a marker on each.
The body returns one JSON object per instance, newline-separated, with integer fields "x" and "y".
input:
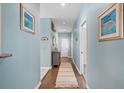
{"x": 64, "y": 29}
{"x": 62, "y": 4}
{"x": 64, "y": 23}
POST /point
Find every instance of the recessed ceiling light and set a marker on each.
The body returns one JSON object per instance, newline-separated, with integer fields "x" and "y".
{"x": 64, "y": 22}
{"x": 62, "y": 4}
{"x": 64, "y": 29}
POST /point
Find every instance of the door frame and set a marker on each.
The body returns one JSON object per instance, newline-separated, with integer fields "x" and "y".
{"x": 81, "y": 59}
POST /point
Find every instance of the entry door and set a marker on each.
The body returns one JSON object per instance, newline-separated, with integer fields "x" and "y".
{"x": 83, "y": 49}
{"x": 64, "y": 47}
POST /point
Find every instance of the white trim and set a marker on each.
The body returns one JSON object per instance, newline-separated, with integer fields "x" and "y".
{"x": 45, "y": 67}
{"x": 84, "y": 77}
{"x": 65, "y": 56}
{"x": 42, "y": 74}
{"x": 38, "y": 85}
{"x": 76, "y": 66}
{"x": 41, "y": 77}
{"x": 87, "y": 86}
{"x": 69, "y": 56}
{"x": 80, "y": 27}
{"x": 80, "y": 73}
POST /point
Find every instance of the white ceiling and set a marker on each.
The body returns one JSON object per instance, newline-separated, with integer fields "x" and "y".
{"x": 60, "y": 14}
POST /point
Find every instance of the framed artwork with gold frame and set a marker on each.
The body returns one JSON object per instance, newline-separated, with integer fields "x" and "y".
{"x": 110, "y": 23}
{"x": 27, "y": 20}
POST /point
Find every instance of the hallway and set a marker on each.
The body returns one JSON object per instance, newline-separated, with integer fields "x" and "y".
{"x": 87, "y": 38}
{"x": 52, "y": 76}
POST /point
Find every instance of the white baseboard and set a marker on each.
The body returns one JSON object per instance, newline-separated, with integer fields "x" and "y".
{"x": 79, "y": 72}
{"x": 67, "y": 56}
{"x": 44, "y": 71}
{"x": 87, "y": 87}
{"x": 38, "y": 85}
{"x": 76, "y": 67}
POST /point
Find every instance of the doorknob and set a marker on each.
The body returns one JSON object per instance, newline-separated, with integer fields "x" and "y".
{"x": 81, "y": 52}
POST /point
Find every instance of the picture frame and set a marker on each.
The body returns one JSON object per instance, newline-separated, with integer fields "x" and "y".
{"x": 110, "y": 23}
{"x": 27, "y": 20}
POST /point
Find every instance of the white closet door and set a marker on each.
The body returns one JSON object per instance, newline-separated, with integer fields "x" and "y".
{"x": 64, "y": 47}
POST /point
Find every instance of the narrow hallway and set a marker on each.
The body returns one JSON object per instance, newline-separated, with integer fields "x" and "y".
{"x": 49, "y": 81}
{"x": 61, "y": 46}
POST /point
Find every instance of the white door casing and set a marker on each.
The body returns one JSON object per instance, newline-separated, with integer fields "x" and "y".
{"x": 83, "y": 48}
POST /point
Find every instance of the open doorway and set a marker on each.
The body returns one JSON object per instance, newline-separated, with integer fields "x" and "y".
{"x": 83, "y": 49}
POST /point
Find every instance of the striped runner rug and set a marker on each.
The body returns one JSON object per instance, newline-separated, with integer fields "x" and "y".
{"x": 66, "y": 77}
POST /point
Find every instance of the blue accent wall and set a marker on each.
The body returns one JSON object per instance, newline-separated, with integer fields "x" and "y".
{"x": 22, "y": 70}
{"x": 105, "y": 59}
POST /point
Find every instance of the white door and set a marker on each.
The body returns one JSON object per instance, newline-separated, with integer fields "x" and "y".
{"x": 64, "y": 47}
{"x": 83, "y": 48}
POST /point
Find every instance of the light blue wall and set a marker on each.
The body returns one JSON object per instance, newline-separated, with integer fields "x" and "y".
{"x": 76, "y": 46}
{"x": 22, "y": 70}
{"x": 0, "y": 29}
{"x": 105, "y": 59}
{"x": 45, "y": 46}
{"x": 68, "y": 36}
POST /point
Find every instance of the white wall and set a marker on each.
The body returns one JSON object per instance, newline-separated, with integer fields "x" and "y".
{"x": 0, "y": 28}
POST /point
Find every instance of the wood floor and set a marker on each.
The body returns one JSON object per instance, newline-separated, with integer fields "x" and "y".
{"x": 48, "y": 82}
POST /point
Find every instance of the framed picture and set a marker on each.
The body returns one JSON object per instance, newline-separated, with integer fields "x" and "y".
{"x": 27, "y": 20}
{"x": 110, "y": 23}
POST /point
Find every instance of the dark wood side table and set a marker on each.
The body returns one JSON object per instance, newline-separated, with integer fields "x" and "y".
{"x": 55, "y": 58}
